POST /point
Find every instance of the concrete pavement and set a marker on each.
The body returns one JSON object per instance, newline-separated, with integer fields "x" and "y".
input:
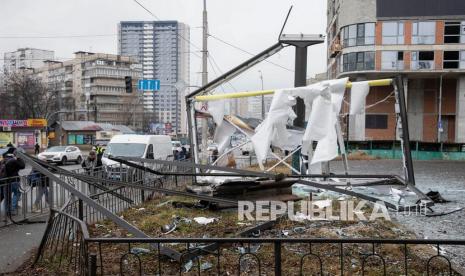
{"x": 17, "y": 243}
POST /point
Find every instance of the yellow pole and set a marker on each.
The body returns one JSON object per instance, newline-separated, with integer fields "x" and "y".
{"x": 204, "y": 98}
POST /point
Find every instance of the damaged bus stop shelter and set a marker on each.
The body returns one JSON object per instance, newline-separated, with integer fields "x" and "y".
{"x": 316, "y": 144}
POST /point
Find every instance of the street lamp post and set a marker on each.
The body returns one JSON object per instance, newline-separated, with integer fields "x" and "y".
{"x": 263, "y": 96}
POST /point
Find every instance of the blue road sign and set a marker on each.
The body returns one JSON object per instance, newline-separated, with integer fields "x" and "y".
{"x": 149, "y": 85}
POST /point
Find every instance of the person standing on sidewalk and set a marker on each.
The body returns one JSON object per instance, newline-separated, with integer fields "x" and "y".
{"x": 36, "y": 149}
{"x": 41, "y": 182}
{"x": 13, "y": 165}
{"x": 90, "y": 166}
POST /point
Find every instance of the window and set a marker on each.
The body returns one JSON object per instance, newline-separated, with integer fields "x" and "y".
{"x": 454, "y": 60}
{"x": 422, "y": 60}
{"x": 454, "y": 32}
{"x": 376, "y": 121}
{"x": 358, "y": 61}
{"x": 393, "y": 33}
{"x": 451, "y": 59}
{"x": 392, "y": 60}
{"x": 358, "y": 34}
{"x": 423, "y": 32}
{"x": 150, "y": 152}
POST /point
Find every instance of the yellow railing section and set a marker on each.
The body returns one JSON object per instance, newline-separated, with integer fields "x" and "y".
{"x": 214, "y": 97}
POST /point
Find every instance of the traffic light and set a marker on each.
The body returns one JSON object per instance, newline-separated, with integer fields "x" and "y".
{"x": 128, "y": 83}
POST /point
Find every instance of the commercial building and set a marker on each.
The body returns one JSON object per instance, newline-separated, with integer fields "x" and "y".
{"x": 23, "y": 133}
{"x": 85, "y": 134}
{"x": 162, "y": 48}
{"x": 26, "y": 58}
{"x": 92, "y": 87}
{"x": 422, "y": 40}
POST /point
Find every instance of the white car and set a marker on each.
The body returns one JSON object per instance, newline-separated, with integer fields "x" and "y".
{"x": 61, "y": 154}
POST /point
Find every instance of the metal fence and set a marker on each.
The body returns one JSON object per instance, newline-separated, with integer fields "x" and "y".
{"x": 68, "y": 248}
{"x": 23, "y": 198}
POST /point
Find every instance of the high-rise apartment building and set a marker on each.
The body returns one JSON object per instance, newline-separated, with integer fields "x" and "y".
{"x": 162, "y": 48}
{"x": 422, "y": 40}
{"x": 255, "y": 106}
{"x": 92, "y": 87}
{"x": 26, "y": 58}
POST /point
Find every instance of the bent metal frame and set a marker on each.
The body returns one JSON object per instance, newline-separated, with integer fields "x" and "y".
{"x": 205, "y": 93}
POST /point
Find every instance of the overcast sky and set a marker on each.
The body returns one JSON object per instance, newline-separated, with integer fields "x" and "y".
{"x": 252, "y": 25}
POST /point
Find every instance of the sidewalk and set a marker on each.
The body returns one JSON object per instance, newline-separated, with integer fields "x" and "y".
{"x": 17, "y": 243}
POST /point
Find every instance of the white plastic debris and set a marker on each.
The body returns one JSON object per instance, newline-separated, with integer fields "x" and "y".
{"x": 204, "y": 220}
{"x": 223, "y": 135}
{"x": 139, "y": 250}
{"x": 358, "y": 94}
{"x": 273, "y": 129}
{"x": 216, "y": 109}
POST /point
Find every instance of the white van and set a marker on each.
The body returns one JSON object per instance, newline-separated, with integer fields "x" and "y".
{"x": 142, "y": 146}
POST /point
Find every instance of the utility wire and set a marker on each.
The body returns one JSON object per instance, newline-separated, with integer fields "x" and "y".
{"x": 219, "y": 69}
{"x": 247, "y": 52}
{"x": 156, "y": 17}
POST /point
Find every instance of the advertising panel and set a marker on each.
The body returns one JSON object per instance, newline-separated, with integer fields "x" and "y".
{"x": 25, "y": 139}
{"x": 5, "y": 138}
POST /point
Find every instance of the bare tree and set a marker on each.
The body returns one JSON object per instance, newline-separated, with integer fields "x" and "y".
{"x": 27, "y": 97}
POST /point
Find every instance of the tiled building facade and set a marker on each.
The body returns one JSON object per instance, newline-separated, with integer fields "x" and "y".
{"x": 422, "y": 40}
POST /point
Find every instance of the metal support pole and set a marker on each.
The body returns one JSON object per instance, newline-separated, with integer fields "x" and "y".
{"x": 277, "y": 258}
{"x": 440, "y": 129}
{"x": 405, "y": 131}
{"x": 262, "y": 97}
{"x": 93, "y": 264}
{"x": 80, "y": 210}
{"x": 204, "y": 69}
{"x": 300, "y": 79}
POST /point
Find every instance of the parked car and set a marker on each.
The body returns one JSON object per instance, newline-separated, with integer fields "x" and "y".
{"x": 61, "y": 154}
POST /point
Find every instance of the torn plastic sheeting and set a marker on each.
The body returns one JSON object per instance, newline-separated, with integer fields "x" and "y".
{"x": 319, "y": 122}
{"x": 273, "y": 129}
{"x": 216, "y": 110}
{"x": 358, "y": 94}
{"x": 223, "y": 135}
{"x": 326, "y": 149}
{"x": 308, "y": 94}
{"x": 294, "y": 140}
{"x": 337, "y": 89}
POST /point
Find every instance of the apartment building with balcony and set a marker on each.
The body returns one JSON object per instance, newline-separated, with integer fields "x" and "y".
{"x": 91, "y": 87}
{"x": 422, "y": 40}
{"x": 26, "y": 58}
{"x": 162, "y": 48}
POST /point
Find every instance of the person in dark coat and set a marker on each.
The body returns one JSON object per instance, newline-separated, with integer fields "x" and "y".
{"x": 36, "y": 148}
{"x": 13, "y": 165}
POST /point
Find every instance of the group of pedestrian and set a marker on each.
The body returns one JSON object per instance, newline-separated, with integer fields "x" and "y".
{"x": 181, "y": 155}
{"x": 10, "y": 192}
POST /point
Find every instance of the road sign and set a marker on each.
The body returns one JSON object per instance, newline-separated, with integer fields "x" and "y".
{"x": 149, "y": 85}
